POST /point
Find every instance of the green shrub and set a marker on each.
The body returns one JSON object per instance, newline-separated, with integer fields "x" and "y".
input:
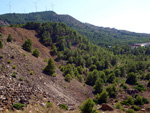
{"x": 9, "y": 61}
{"x": 124, "y": 102}
{"x": 138, "y": 100}
{"x": 14, "y": 67}
{"x": 1, "y": 44}
{"x": 124, "y": 86}
{"x": 98, "y": 87}
{"x": 130, "y": 111}
{"x": 131, "y": 78}
{"x": 21, "y": 79}
{"x": 68, "y": 77}
{"x": 31, "y": 72}
{"x": 36, "y": 53}
{"x": 13, "y": 75}
{"x": 136, "y": 108}
{"x": 79, "y": 78}
{"x": 45, "y": 60}
{"x": 87, "y": 106}
{"x": 130, "y": 100}
{"x": 118, "y": 105}
{"x": 102, "y": 97}
{"x": 145, "y": 100}
{"x": 140, "y": 87}
{"x": 9, "y": 39}
{"x": 112, "y": 91}
{"x": 18, "y": 106}
{"x": 48, "y": 104}
{"x": 63, "y": 106}
{"x": 1, "y": 36}
{"x": 24, "y": 54}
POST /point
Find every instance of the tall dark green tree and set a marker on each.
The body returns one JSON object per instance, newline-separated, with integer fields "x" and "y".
{"x": 9, "y": 39}
{"x": 131, "y": 78}
{"x": 98, "y": 87}
{"x": 50, "y": 69}
{"x": 27, "y": 46}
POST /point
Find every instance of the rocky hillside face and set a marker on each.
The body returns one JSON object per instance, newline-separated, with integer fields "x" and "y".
{"x": 22, "y": 77}
{"x": 3, "y": 23}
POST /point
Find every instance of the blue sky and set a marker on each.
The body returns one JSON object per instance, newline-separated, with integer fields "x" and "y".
{"x": 132, "y": 15}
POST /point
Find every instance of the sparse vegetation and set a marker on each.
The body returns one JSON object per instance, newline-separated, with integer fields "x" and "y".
{"x": 63, "y": 106}
{"x": 18, "y": 106}
{"x": 130, "y": 111}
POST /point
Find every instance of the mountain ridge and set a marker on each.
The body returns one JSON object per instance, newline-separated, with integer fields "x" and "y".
{"x": 98, "y": 35}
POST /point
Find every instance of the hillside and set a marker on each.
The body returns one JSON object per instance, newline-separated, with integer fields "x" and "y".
{"x": 69, "y": 70}
{"x": 98, "y": 35}
{"x": 25, "y": 85}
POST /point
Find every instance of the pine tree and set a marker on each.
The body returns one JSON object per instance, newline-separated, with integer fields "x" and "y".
{"x": 98, "y": 87}
{"x": 50, "y": 69}
{"x": 102, "y": 97}
{"x": 27, "y": 46}
{"x": 9, "y": 39}
{"x": 87, "y": 106}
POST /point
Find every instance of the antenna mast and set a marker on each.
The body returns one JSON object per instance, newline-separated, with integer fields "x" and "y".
{"x": 10, "y": 7}
{"x": 35, "y": 5}
{"x": 52, "y": 6}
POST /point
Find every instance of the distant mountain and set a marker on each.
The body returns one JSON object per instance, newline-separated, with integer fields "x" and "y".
{"x": 98, "y": 35}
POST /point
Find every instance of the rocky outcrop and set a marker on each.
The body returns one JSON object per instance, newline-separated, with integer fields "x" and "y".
{"x": 107, "y": 107}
